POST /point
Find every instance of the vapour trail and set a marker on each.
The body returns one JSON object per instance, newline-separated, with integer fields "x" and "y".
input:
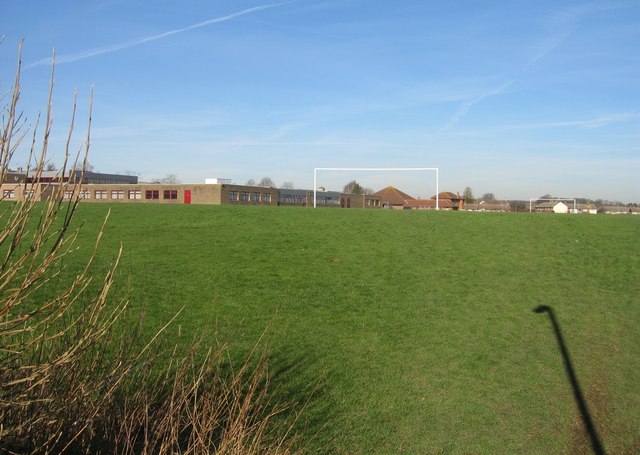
{"x": 138, "y": 41}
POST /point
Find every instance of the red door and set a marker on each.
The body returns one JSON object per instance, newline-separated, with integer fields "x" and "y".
{"x": 187, "y": 196}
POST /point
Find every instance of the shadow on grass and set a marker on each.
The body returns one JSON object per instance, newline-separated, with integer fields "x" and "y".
{"x": 589, "y": 427}
{"x": 295, "y": 381}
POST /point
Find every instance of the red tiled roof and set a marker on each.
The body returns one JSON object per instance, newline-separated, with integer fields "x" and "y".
{"x": 421, "y": 203}
{"x": 393, "y": 196}
{"x": 430, "y": 203}
{"x": 447, "y": 195}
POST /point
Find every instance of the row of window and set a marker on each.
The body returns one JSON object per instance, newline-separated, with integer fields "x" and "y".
{"x": 104, "y": 194}
{"x": 11, "y": 194}
{"x": 234, "y": 196}
{"x": 293, "y": 199}
{"x": 246, "y": 196}
{"x": 327, "y": 201}
{"x": 155, "y": 194}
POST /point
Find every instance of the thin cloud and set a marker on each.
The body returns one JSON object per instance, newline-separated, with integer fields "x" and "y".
{"x": 467, "y": 105}
{"x": 561, "y": 25}
{"x": 547, "y": 45}
{"x": 146, "y": 39}
{"x": 564, "y": 23}
{"x": 597, "y": 122}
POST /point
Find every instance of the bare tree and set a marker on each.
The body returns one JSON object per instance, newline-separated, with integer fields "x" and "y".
{"x": 250, "y": 182}
{"x": 169, "y": 178}
{"x": 266, "y": 182}
{"x": 82, "y": 166}
{"x": 288, "y": 186}
{"x": 467, "y": 195}
{"x": 352, "y": 187}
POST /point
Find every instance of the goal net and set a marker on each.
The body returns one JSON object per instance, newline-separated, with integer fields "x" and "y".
{"x": 419, "y": 180}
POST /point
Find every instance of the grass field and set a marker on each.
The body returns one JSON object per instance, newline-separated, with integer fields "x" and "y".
{"x": 407, "y": 332}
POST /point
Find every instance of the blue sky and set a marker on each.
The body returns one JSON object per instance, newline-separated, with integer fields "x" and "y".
{"x": 516, "y": 98}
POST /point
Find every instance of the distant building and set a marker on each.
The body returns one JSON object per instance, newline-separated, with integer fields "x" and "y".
{"x": 109, "y": 188}
{"x": 560, "y": 207}
{"x": 488, "y": 206}
{"x": 585, "y": 208}
{"x": 392, "y": 197}
{"x": 620, "y": 210}
{"x": 450, "y": 201}
{"x": 215, "y": 181}
{"x": 551, "y": 207}
{"x": 301, "y": 197}
{"x": 420, "y": 204}
{"x": 445, "y": 201}
{"x": 78, "y": 176}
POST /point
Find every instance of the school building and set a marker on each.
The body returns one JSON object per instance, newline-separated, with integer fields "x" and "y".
{"x": 114, "y": 188}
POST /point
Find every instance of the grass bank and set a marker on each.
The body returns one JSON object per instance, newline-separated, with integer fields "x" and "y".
{"x": 412, "y": 332}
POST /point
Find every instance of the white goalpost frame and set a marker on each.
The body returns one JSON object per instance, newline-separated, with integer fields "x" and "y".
{"x": 531, "y": 199}
{"x": 376, "y": 169}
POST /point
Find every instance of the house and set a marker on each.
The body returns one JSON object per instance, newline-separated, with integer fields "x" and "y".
{"x": 391, "y": 197}
{"x": 445, "y": 201}
{"x": 620, "y": 210}
{"x": 552, "y": 206}
{"x": 560, "y": 207}
{"x": 488, "y": 206}
{"x": 450, "y": 201}
{"x": 420, "y": 204}
{"x": 585, "y": 208}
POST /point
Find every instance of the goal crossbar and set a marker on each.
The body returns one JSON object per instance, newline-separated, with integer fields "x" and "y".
{"x": 374, "y": 169}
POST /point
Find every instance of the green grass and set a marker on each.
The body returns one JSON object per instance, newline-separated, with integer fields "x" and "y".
{"x": 408, "y": 332}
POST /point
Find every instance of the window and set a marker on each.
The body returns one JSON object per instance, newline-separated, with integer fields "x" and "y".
{"x": 101, "y": 194}
{"x": 152, "y": 194}
{"x": 244, "y": 196}
{"x": 28, "y": 194}
{"x": 117, "y": 194}
{"x": 255, "y": 197}
{"x": 135, "y": 194}
{"x": 8, "y": 194}
{"x": 328, "y": 201}
{"x": 298, "y": 199}
{"x": 170, "y": 194}
{"x": 84, "y": 194}
{"x": 68, "y": 194}
{"x": 266, "y": 197}
{"x": 233, "y": 196}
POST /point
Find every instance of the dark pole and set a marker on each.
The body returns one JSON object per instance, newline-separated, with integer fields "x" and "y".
{"x": 598, "y": 449}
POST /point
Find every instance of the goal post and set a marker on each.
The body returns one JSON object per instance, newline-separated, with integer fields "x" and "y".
{"x": 375, "y": 169}
{"x": 559, "y": 199}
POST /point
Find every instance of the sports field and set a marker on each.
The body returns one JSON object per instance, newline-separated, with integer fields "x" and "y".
{"x": 404, "y": 332}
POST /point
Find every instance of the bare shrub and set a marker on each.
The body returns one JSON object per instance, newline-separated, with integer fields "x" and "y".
{"x": 68, "y": 382}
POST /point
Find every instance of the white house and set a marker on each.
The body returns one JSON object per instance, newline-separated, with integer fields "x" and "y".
{"x": 560, "y": 207}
